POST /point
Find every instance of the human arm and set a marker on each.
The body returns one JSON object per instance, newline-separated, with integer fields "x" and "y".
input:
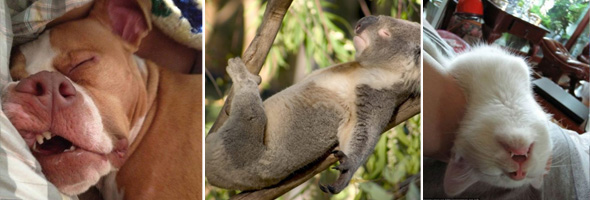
{"x": 443, "y": 106}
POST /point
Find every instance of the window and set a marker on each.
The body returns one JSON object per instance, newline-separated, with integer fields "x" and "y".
{"x": 565, "y": 20}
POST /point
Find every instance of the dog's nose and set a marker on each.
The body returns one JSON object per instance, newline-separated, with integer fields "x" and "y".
{"x": 363, "y": 23}
{"x": 48, "y": 85}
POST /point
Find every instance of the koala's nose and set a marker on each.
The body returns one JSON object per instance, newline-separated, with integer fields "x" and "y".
{"x": 52, "y": 86}
{"x": 364, "y": 22}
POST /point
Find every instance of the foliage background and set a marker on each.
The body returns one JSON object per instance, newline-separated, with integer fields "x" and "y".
{"x": 314, "y": 34}
{"x": 561, "y": 15}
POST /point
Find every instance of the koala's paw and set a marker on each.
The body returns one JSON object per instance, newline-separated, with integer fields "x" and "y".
{"x": 239, "y": 73}
{"x": 339, "y": 184}
{"x": 346, "y": 172}
{"x": 345, "y": 163}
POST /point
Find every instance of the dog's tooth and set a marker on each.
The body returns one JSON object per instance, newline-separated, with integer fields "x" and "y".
{"x": 47, "y": 135}
{"x": 511, "y": 154}
{"x": 39, "y": 139}
{"x": 34, "y": 146}
{"x": 70, "y": 149}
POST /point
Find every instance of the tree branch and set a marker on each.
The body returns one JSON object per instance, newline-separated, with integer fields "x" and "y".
{"x": 256, "y": 53}
{"x": 405, "y": 111}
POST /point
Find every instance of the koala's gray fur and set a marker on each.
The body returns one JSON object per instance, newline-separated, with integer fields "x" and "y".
{"x": 347, "y": 105}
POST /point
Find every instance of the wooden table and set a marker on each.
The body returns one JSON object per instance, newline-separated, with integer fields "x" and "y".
{"x": 498, "y": 21}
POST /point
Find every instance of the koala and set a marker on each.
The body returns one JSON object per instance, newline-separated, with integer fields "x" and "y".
{"x": 347, "y": 105}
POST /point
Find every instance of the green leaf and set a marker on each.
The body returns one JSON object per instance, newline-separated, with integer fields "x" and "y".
{"x": 413, "y": 192}
{"x": 380, "y": 154}
{"x": 403, "y": 139}
{"x": 388, "y": 175}
{"x": 399, "y": 172}
{"x": 375, "y": 191}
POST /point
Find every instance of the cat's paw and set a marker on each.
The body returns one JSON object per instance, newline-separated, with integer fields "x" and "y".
{"x": 239, "y": 73}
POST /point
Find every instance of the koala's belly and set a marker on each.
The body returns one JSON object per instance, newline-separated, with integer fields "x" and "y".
{"x": 307, "y": 119}
{"x": 302, "y": 124}
{"x": 327, "y": 94}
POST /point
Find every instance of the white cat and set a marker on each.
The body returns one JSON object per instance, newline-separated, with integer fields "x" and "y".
{"x": 503, "y": 139}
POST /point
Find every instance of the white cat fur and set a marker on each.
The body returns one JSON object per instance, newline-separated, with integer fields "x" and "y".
{"x": 500, "y": 107}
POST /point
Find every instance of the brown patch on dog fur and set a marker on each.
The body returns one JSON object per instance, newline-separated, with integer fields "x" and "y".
{"x": 18, "y": 62}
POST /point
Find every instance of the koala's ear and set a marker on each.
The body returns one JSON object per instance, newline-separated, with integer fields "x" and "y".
{"x": 458, "y": 176}
{"x": 130, "y": 19}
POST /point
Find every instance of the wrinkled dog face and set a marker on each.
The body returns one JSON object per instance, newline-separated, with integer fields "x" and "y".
{"x": 76, "y": 94}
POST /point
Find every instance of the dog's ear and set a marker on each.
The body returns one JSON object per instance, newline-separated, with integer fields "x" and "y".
{"x": 129, "y": 19}
{"x": 17, "y": 66}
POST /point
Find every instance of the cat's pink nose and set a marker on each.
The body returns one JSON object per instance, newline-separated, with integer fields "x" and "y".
{"x": 517, "y": 175}
{"x": 520, "y": 159}
{"x": 519, "y": 151}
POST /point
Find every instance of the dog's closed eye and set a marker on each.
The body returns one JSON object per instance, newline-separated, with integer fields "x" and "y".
{"x": 80, "y": 59}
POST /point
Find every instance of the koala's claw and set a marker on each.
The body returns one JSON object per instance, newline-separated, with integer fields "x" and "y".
{"x": 337, "y": 186}
{"x": 327, "y": 189}
{"x": 239, "y": 73}
{"x": 345, "y": 163}
{"x": 339, "y": 154}
{"x": 346, "y": 169}
{"x": 341, "y": 168}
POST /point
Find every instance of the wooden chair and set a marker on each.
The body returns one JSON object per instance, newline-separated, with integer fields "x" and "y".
{"x": 557, "y": 61}
{"x": 583, "y": 57}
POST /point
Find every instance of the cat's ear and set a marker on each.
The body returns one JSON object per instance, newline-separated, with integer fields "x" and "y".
{"x": 458, "y": 176}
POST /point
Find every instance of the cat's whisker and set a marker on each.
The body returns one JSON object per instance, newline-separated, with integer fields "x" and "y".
{"x": 558, "y": 162}
{"x": 558, "y": 166}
